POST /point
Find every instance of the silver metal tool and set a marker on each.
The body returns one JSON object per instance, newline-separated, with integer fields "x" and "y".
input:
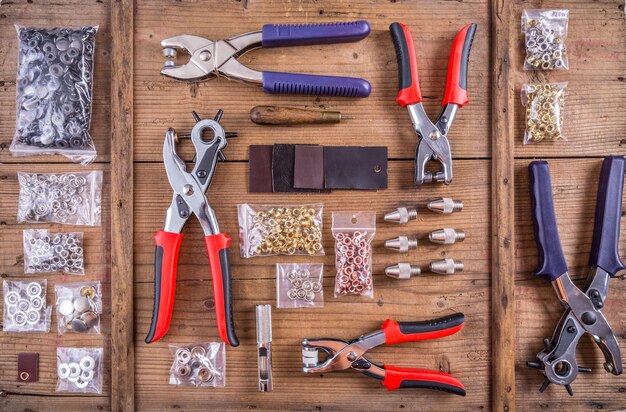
{"x": 402, "y": 271}
{"x": 446, "y": 236}
{"x": 401, "y": 244}
{"x": 445, "y": 205}
{"x": 401, "y": 215}
{"x": 264, "y": 346}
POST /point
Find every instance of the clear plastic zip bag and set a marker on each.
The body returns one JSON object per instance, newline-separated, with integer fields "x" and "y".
{"x": 78, "y": 307}
{"x": 25, "y": 308}
{"x": 545, "y": 32}
{"x": 545, "y": 108}
{"x": 79, "y": 370}
{"x": 353, "y": 233}
{"x": 55, "y": 92}
{"x": 46, "y": 252}
{"x": 299, "y": 285}
{"x": 198, "y": 364}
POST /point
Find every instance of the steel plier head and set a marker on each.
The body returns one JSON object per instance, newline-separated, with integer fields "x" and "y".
{"x": 583, "y": 308}
{"x": 189, "y": 198}
{"x": 210, "y": 58}
{"x": 343, "y": 354}
{"x": 433, "y": 137}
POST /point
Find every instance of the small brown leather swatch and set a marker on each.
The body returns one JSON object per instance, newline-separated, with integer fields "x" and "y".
{"x": 260, "y": 169}
{"x": 352, "y": 167}
{"x": 27, "y": 367}
{"x": 309, "y": 167}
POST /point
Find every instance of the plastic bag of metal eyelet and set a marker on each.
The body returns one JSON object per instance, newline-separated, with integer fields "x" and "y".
{"x": 55, "y": 92}
{"x": 46, "y": 252}
{"x": 67, "y": 198}
{"x": 545, "y": 32}
{"x": 25, "y": 308}
{"x": 299, "y": 285}
{"x": 198, "y": 364}
{"x": 79, "y": 370}
{"x": 269, "y": 230}
{"x": 353, "y": 233}
{"x": 78, "y": 307}
{"x": 544, "y": 105}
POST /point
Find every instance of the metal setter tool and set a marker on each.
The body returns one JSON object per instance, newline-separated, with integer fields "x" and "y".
{"x": 350, "y": 354}
{"x": 264, "y": 346}
{"x": 433, "y": 137}
{"x": 583, "y": 307}
{"x": 189, "y": 198}
{"x": 211, "y": 58}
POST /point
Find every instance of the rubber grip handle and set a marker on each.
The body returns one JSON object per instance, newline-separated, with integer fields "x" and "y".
{"x": 456, "y": 83}
{"x": 281, "y": 35}
{"x": 551, "y": 259}
{"x": 398, "y": 332}
{"x": 408, "y": 78}
{"x": 606, "y": 230}
{"x": 294, "y": 83}
{"x": 165, "y": 263}
{"x": 396, "y": 378}
{"x": 217, "y": 249}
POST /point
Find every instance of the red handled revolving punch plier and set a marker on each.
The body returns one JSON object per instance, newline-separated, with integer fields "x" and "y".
{"x": 350, "y": 355}
{"x": 433, "y": 144}
{"x": 583, "y": 307}
{"x": 189, "y": 198}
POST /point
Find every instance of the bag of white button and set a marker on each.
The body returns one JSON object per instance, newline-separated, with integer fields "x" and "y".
{"x": 79, "y": 370}
{"x": 78, "y": 307}
{"x": 25, "y": 308}
{"x": 299, "y": 285}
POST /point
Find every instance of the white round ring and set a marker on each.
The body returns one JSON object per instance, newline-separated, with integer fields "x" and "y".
{"x": 86, "y": 375}
{"x": 74, "y": 370}
{"x": 11, "y": 298}
{"x": 19, "y": 318}
{"x": 23, "y": 305}
{"x": 87, "y": 363}
{"x": 81, "y": 384}
{"x": 63, "y": 371}
{"x": 32, "y": 317}
{"x": 33, "y": 289}
{"x": 36, "y": 303}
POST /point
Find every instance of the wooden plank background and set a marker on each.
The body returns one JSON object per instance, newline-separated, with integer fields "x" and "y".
{"x": 595, "y": 124}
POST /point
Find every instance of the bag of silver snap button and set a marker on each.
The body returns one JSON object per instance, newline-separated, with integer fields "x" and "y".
{"x": 25, "y": 307}
{"x": 79, "y": 370}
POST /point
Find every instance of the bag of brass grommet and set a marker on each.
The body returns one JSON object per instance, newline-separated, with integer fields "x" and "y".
{"x": 198, "y": 364}
{"x": 353, "y": 233}
{"x": 269, "y": 230}
{"x": 544, "y": 105}
{"x": 55, "y": 92}
{"x": 545, "y": 32}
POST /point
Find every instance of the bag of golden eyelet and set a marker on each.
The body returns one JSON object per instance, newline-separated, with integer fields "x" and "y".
{"x": 545, "y": 32}
{"x": 544, "y": 105}
{"x": 269, "y": 230}
{"x": 353, "y": 233}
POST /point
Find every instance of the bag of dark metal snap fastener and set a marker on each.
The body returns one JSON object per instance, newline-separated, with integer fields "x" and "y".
{"x": 67, "y": 198}
{"x": 78, "y": 307}
{"x": 46, "y": 252}
{"x": 545, "y": 32}
{"x": 202, "y": 365}
{"x": 79, "y": 370}
{"x": 55, "y": 92}
{"x": 299, "y": 285}
{"x": 25, "y": 308}
{"x": 353, "y": 233}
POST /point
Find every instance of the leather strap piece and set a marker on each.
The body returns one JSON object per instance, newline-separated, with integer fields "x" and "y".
{"x": 260, "y": 169}
{"x": 309, "y": 167}
{"x": 283, "y": 165}
{"x": 27, "y": 367}
{"x": 351, "y": 167}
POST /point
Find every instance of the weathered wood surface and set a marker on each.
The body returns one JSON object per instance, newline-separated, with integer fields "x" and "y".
{"x": 122, "y": 297}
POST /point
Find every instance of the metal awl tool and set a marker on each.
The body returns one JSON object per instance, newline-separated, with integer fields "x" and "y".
{"x": 583, "y": 307}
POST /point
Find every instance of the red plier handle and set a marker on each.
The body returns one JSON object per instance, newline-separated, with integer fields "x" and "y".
{"x": 165, "y": 264}
{"x": 456, "y": 85}
{"x": 398, "y": 332}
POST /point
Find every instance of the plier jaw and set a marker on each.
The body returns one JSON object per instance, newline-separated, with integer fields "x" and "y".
{"x": 200, "y": 64}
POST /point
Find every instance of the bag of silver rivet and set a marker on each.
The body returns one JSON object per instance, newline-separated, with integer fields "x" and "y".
{"x": 353, "y": 233}
{"x": 68, "y": 198}
{"x": 78, "y": 307}
{"x": 198, "y": 364}
{"x": 55, "y": 92}
{"x": 269, "y": 230}
{"x": 46, "y": 252}
{"x": 299, "y": 285}
{"x": 79, "y": 370}
{"x": 545, "y": 32}
{"x": 25, "y": 308}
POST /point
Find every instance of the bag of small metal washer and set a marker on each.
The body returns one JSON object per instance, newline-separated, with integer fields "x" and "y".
{"x": 299, "y": 285}
{"x": 55, "y": 92}
{"x": 79, "y": 370}
{"x": 78, "y": 307}
{"x": 25, "y": 308}
{"x": 198, "y": 364}
{"x": 46, "y": 252}
{"x": 67, "y": 198}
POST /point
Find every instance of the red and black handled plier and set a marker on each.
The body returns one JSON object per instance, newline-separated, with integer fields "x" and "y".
{"x": 343, "y": 354}
{"x": 433, "y": 144}
{"x": 189, "y": 198}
